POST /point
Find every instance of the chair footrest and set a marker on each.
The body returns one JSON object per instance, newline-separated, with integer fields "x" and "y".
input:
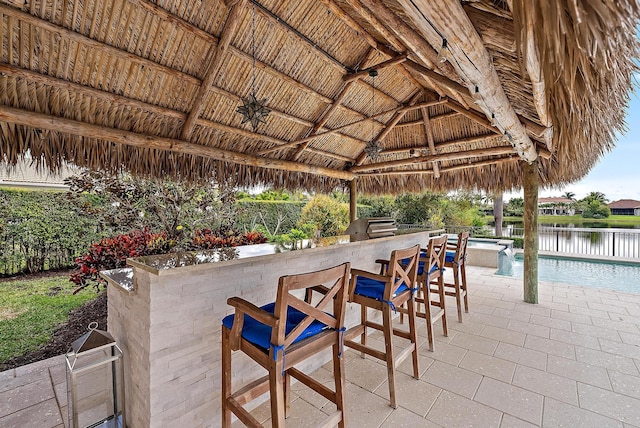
{"x": 251, "y": 390}
{"x": 363, "y": 348}
{"x": 313, "y": 384}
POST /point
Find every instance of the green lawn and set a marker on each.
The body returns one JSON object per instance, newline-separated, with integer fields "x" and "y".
{"x": 617, "y": 220}
{"x": 31, "y": 310}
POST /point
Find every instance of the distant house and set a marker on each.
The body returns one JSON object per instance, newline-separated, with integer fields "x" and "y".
{"x": 26, "y": 175}
{"x": 555, "y": 206}
{"x": 625, "y": 207}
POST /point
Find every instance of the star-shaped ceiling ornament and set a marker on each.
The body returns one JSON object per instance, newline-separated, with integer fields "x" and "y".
{"x": 373, "y": 149}
{"x": 253, "y": 111}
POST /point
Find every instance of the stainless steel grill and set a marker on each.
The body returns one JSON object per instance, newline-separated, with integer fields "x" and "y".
{"x": 371, "y": 227}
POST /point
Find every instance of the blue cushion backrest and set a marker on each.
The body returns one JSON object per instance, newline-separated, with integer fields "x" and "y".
{"x": 420, "y": 265}
{"x": 450, "y": 257}
{"x": 260, "y": 334}
{"x": 373, "y": 288}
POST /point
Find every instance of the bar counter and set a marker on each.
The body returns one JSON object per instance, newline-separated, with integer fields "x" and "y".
{"x": 165, "y": 313}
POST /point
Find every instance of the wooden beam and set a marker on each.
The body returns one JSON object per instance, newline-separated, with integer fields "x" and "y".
{"x": 430, "y": 143}
{"x": 473, "y": 62}
{"x": 530, "y": 274}
{"x": 473, "y": 115}
{"x": 363, "y": 73}
{"x": 74, "y": 127}
{"x": 494, "y": 151}
{"x": 216, "y": 53}
{"x": 498, "y": 161}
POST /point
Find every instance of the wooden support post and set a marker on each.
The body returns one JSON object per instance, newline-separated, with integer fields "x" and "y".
{"x": 353, "y": 196}
{"x": 530, "y": 277}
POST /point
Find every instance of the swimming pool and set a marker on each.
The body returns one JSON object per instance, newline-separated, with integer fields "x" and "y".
{"x": 587, "y": 273}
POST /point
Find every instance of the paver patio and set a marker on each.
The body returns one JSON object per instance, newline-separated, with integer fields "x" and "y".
{"x": 572, "y": 360}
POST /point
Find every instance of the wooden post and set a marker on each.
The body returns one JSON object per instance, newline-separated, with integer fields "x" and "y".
{"x": 353, "y": 196}
{"x": 530, "y": 276}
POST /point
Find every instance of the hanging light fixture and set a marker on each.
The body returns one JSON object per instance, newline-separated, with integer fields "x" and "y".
{"x": 373, "y": 148}
{"x": 252, "y": 109}
{"x": 442, "y": 58}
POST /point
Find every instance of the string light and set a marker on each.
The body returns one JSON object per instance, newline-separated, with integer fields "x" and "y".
{"x": 373, "y": 148}
{"x": 442, "y": 54}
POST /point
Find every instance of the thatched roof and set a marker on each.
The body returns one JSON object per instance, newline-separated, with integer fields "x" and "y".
{"x": 153, "y": 88}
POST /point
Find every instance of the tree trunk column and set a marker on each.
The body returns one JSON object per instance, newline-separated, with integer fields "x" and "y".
{"x": 353, "y": 196}
{"x": 530, "y": 275}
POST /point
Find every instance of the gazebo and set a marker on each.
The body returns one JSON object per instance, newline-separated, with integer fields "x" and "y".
{"x": 377, "y": 97}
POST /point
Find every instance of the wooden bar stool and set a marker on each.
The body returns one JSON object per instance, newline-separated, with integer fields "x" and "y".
{"x": 281, "y": 334}
{"x": 387, "y": 292}
{"x": 455, "y": 259}
{"x": 431, "y": 286}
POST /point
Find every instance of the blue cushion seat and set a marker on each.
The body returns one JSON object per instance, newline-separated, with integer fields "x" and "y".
{"x": 373, "y": 288}
{"x": 260, "y": 334}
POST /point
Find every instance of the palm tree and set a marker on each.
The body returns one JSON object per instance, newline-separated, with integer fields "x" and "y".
{"x": 596, "y": 196}
{"x": 498, "y": 208}
{"x": 569, "y": 195}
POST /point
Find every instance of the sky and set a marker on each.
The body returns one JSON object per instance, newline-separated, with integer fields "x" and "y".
{"x": 617, "y": 174}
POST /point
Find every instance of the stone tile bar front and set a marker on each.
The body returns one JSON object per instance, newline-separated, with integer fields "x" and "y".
{"x": 166, "y": 317}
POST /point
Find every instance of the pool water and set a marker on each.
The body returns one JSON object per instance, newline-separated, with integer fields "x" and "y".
{"x": 587, "y": 273}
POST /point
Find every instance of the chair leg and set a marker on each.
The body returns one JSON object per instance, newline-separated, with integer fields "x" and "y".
{"x": 445, "y": 330}
{"x": 413, "y": 332}
{"x": 456, "y": 285}
{"x": 276, "y": 390}
{"x": 427, "y": 317}
{"x": 391, "y": 363}
{"x": 287, "y": 394}
{"x": 363, "y": 322}
{"x": 338, "y": 377}
{"x": 463, "y": 273}
{"x": 226, "y": 378}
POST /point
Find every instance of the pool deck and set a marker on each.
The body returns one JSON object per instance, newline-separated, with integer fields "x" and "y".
{"x": 571, "y": 360}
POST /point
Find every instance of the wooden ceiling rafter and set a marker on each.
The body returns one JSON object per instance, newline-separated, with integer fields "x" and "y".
{"x": 492, "y": 151}
{"x": 447, "y": 20}
{"x": 430, "y": 144}
{"x": 216, "y": 55}
{"x": 433, "y": 118}
{"x": 86, "y": 130}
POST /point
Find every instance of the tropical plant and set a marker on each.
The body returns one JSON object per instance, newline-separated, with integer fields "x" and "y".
{"x": 569, "y": 195}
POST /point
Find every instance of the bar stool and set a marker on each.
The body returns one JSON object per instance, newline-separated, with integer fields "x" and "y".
{"x": 281, "y": 334}
{"x": 455, "y": 259}
{"x": 431, "y": 292}
{"x": 387, "y": 292}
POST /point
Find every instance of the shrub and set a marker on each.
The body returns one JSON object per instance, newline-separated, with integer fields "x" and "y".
{"x": 112, "y": 253}
{"x": 329, "y": 216}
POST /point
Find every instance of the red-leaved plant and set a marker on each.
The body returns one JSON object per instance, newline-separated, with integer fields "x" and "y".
{"x": 112, "y": 253}
{"x": 207, "y": 239}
